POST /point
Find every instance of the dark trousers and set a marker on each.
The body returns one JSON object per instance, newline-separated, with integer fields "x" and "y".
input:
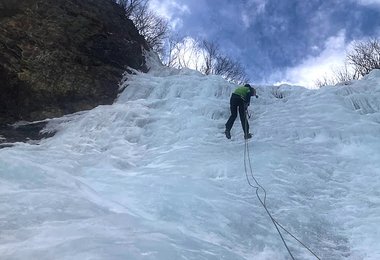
{"x": 237, "y": 103}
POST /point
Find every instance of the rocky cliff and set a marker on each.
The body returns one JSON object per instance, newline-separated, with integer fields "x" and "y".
{"x": 63, "y": 56}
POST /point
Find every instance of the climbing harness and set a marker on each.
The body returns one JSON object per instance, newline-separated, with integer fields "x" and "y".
{"x": 258, "y": 187}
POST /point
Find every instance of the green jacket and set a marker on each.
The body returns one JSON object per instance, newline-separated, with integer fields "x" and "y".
{"x": 245, "y": 93}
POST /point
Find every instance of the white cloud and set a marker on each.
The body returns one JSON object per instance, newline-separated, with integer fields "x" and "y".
{"x": 369, "y": 2}
{"x": 314, "y": 68}
{"x": 189, "y": 54}
{"x": 246, "y": 20}
{"x": 170, "y": 10}
{"x": 253, "y": 8}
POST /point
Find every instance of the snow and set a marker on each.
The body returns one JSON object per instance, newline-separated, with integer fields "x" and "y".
{"x": 153, "y": 177}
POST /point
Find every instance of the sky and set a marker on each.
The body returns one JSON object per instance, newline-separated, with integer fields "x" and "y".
{"x": 277, "y": 41}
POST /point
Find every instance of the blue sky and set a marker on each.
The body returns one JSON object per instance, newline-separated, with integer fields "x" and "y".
{"x": 294, "y": 41}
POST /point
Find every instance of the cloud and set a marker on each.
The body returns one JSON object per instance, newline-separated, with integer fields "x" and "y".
{"x": 369, "y": 2}
{"x": 171, "y": 10}
{"x": 313, "y": 68}
{"x": 290, "y": 40}
{"x": 251, "y": 10}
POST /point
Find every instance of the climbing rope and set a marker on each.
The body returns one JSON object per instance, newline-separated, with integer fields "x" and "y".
{"x": 258, "y": 187}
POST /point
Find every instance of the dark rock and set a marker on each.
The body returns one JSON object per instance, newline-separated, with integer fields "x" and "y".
{"x": 22, "y": 132}
{"x": 62, "y": 56}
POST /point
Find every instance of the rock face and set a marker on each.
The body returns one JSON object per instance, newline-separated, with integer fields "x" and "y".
{"x": 63, "y": 56}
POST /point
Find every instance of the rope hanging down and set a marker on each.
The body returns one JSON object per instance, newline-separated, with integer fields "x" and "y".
{"x": 263, "y": 201}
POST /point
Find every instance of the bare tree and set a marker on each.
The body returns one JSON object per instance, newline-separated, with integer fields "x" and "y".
{"x": 345, "y": 73}
{"x": 150, "y": 25}
{"x": 219, "y": 64}
{"x": 365, "y": 56}
{"x": 361, "y": 60}
{"x": 184, "y": 52}
{"x": 205, "y": 57}
{"x": 210, "y": 55}
{"x": 341, "y": 74}
{"x": 230, "y": 69}
{"x": 170, "y": 57}
{"x": 129, "y": 5}
{"x": 153, "y": 27}
{"x": 324, "y": 81}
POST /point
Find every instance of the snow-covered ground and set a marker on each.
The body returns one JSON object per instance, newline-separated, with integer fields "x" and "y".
{"x": 153, "y": 177}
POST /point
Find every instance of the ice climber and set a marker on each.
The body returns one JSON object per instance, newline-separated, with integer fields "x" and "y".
{"x": 240, "y": 100}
